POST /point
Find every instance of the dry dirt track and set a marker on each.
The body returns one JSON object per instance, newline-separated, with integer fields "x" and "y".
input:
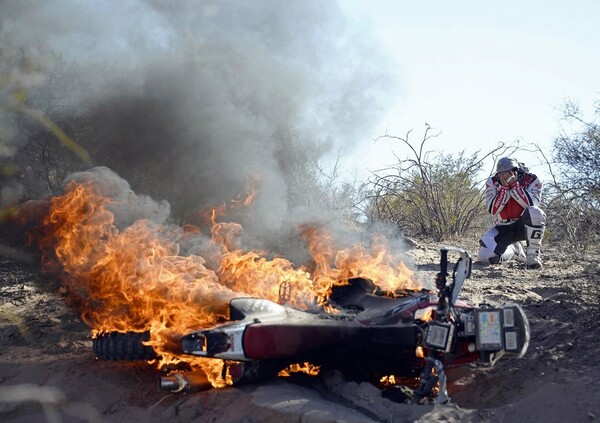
{"x": 48, "y": 371}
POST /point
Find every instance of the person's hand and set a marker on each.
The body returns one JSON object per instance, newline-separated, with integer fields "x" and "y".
{"x": 508, "y": 178}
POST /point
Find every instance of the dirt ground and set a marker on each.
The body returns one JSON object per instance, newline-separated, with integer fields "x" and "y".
{"x": 48, "y": 372}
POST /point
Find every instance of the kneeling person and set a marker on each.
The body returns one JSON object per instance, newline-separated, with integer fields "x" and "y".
{"x": 512, "y": 196}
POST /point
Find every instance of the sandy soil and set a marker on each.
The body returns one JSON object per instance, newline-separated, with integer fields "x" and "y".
{"x": 48, "y": 371}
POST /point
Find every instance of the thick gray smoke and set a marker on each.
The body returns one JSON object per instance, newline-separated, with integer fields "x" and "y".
{"x": 197, "y": 94}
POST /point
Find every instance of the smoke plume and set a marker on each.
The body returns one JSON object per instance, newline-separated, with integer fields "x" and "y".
{"x": 184, "y": 99}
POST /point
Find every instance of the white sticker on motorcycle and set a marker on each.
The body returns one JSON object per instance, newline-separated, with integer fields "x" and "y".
{"x": 511, "y": 341}
{"x": 509, "y": 317}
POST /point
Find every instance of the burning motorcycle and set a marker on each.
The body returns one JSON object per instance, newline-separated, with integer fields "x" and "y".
{"x": 364, "y": 334}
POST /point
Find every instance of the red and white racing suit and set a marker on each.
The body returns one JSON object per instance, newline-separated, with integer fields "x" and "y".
{"x": 516, "y": 214}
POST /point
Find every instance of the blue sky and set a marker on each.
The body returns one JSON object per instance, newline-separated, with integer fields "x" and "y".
{"x": 482, "y": 72}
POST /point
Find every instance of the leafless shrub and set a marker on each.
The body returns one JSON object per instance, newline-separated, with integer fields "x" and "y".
{"x": 431, "y": 194}
{"x": 573, "y": 194}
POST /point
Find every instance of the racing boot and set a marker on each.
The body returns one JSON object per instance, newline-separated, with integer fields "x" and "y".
{"x": 535, "y": 234}
{"x": 513, "y": 252}
{"x": 519, "y": 252}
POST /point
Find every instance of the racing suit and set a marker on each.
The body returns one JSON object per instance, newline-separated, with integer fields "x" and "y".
{"x": 517, "y": 218}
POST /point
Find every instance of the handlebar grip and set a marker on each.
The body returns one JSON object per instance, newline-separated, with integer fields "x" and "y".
{"x": 444, "y": 261}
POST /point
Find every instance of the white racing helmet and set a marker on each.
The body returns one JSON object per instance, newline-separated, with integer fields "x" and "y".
{"x": 507, "y": 163}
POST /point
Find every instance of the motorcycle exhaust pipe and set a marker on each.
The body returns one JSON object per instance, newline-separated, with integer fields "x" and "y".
{"x": 181, "y": 382}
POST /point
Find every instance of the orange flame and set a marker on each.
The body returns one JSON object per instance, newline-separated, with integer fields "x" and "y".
{"x": 394, "y": 380}
{"x": 136, "y": 280}
{"x": 425, "y": 314}
{"x": 308, "y": 368}
{"x": 334, "y": 267}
